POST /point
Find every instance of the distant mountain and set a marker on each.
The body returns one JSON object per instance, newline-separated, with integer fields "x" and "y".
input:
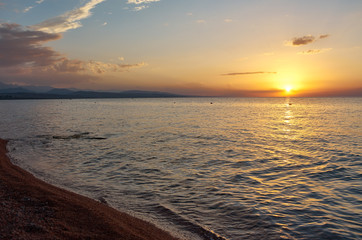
{"x": 86, "y": 94}
{"x": 38, "y": 89}
{"x": 5, "y": 86}
{"x": 14, "y": 90}
{"x": 60, "y": 91}
{"x": 9, "y": 91}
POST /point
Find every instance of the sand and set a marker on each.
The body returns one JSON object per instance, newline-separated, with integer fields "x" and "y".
{"x": 33, "y": 209}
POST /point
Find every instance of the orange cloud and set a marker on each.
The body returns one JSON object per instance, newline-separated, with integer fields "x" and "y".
{"x": 247, "y": 73}
{"x": 315, "y": 51}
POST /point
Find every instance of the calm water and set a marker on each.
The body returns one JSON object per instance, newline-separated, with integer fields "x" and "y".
{"x": 235, "y": 169}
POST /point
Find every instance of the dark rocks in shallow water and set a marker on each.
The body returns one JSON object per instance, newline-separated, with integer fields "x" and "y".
{"x": 84, "y": 135}
{"x": 103, "y": 200}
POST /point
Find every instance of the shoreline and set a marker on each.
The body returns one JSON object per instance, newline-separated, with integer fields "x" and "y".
{"x": 34, "y": 209}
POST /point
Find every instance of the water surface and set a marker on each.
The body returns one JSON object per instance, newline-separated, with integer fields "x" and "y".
{"x": 245, "y": 168}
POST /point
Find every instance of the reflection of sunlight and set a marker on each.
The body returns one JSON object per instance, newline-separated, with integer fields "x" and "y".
{"x": 288, "y": 116}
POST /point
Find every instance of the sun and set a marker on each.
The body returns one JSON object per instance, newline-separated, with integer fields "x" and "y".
{"x": 288, "y": 89}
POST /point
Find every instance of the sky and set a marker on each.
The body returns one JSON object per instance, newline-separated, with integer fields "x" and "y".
{"x": 239, "y": 48}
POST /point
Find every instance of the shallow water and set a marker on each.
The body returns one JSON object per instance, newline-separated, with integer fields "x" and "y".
{"x": 245, "y": 168}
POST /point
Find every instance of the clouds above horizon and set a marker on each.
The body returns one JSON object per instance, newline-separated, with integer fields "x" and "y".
{"x": 71, "y": 19}
{"x": 247, "y": 73}
{"x": 23, "y": 49}
{"x": 315, "y": 51}
{"x": 19, "y": 46}
{"x": 23, "y": 56}
{"x": 141, "y": 4}
{"x": 304, "y": 40}
{"x": 31, "y": 7}
{"x": 68, "y": 20}
{"x": 141, "y": 1}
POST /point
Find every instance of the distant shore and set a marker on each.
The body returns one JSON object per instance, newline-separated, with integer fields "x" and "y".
{"x": 33, "y": 209}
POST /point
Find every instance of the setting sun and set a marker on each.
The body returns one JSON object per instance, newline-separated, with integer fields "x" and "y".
{"x": 288, "y": 89}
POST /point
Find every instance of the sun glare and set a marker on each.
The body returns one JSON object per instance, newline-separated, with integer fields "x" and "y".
{"x": 288, "y": 89}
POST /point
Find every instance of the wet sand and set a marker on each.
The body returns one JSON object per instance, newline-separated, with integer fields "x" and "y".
{"x": 33, "y": 209}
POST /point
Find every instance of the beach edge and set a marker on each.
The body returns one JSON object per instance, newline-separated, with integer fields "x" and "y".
{"x": 34, "y": 209}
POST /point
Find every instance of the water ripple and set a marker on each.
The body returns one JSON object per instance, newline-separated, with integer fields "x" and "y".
{"x": 237, "y": 169}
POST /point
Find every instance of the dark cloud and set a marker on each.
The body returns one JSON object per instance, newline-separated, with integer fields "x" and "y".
{"x": 247, "y": 73}
{"x": 299, "y": 41}
{"x": 302, "y": 40}
{"x": 20, "y": 46}
{"x": 323, "y": 36}
{"x": 315, "y": 51}
{"x": 22, "y": 49}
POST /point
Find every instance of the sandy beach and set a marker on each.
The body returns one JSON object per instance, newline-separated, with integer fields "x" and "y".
{"x": 33, "y": 209}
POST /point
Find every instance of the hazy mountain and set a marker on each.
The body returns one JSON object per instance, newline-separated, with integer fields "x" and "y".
{"x": 60, "y": 91}
{"x": 5, "y": 86}
{"x": 10, "y": 91}
{"x": 38, "y": 89}
{"x": 14, "y": 90}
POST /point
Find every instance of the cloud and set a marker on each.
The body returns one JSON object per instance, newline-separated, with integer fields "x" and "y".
{"x": 27, "y": 9}
{"x": 101, "y": 67}
{"x": 22, "y": 49}
{"x": 141, "y": 3}
{"x": 140, "y": 8}
{"x": 247, "y": 73}
{"x": 67, "y": 21}
{"x": 323, "y": 36}
{"x": 297, "y": 41}
{"x": 228, "y": 20}
{"x": 315, "y": 51}
{"x": 30, "y": 7}
{"x": 19, "y": 46}
{"x": 201, "y": 21}
{"x": 300, "y": 41}
{"x": 66, "y": 65}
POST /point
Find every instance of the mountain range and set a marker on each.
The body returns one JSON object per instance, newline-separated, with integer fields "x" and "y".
{"x": 13, "y": 91}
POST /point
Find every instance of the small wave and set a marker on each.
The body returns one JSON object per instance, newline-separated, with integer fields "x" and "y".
{"x": 186, "y": 224}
